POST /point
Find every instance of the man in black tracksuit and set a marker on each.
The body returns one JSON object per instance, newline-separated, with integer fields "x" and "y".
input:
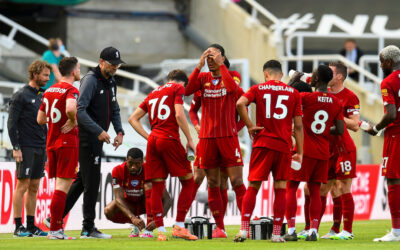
{"x": 97, "y": 107}
{"x": 28, "y": 139}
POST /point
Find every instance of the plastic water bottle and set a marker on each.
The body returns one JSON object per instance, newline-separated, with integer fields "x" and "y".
{"x": 190, "y": 155}
{"x": 364, "y": 125}
{"x": 296, "y": 165}
{"x": 306, "y": 77}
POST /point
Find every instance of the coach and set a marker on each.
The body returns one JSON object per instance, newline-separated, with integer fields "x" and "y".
{"x": 29, "y": 146}
{"x": 97, "y": 107}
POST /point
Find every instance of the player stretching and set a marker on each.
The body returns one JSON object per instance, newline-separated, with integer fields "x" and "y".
{"x": 218, "y": 144}
{"x": 132, "y": 195}
{"x": 58, "y": 109}
{"x": 277, "y": 105}
{"x": 390, "y": 88}
{"x": 165, "y": 153}
{"x": 321, "y": 111}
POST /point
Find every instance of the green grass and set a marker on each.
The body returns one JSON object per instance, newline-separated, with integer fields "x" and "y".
{"x": 365, "y": 232}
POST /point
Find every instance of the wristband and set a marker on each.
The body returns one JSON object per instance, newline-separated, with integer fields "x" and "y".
{"x": 375, "y": 129}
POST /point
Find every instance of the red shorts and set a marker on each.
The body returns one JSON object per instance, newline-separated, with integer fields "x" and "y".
{"x": 265, "y": 160}
{"x": 219, "y": 152}
{"x": 312, "y": 170}
{"x": 63, "y": 162}
{"x": 391, "y": 154}
{"x": 165, "y": 156}
{"x": 137, "y": 208}
{"x": 346, "y": 166}
{"x": 332, "y": 167}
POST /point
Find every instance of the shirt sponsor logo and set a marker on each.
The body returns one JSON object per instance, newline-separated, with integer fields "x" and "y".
{"x": 213, "y": 93}
{"x": 134, "y": 183}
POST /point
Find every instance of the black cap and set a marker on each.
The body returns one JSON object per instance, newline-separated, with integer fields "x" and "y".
{"x": 112, "y": 55}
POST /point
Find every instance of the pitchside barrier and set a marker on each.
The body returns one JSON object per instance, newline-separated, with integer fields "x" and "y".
{"x": 369, "y": 192}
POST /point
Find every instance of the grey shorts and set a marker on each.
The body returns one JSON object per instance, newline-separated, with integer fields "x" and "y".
{"x": 32, "y": 165}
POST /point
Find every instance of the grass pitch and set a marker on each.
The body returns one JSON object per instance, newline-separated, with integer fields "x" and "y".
{"x": 365, "y": 232}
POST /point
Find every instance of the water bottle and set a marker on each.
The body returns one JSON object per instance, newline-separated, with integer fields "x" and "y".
{"x": 190, "y": 155}
{"x": 364, "y": 125}
{"x": 306, "y": 77}
{"x": 296, "y": 165}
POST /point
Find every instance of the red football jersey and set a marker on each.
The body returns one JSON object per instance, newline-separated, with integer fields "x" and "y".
{"x": 133, "y": 185}
{"x": 276, "y": 105}
{"x": 196, "y": 104}
{"x": 160, "y": 106}
{"x": 53, "y": 104}
{"x": 390, "y": 88}
{"x": 320, "y": 110}
{"x": 351, "y": 106}
{"x": 218, "y": 104}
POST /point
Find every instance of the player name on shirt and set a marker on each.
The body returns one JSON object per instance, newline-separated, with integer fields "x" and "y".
{"x": 276, "y": 88}
{"x": 325, "y": 99}
{"x": 167, "y": 85}
{"x": 57, "y": 90}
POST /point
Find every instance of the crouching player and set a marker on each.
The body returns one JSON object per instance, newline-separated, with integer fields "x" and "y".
{"x": 132, "y": 196}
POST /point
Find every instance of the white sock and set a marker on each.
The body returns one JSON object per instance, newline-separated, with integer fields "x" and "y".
{"x": 396, "y": 231}
{"x": 291, "y": 230}
{"x": 162, "y": 229}
{"x": 180, "y": 224}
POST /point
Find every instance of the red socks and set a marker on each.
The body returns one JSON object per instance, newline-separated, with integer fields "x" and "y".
{"x": 306, "y": 211}
{"x": 224, "y": 195}
{"x": 394, "y": 204}
{"x": 57, "y": 209}
{"x": 185, "y": 199}
{"x": 348, "y": 212}
{"x": 149, "y": 215}
{"x": 279, "y": 209}
{"x": 249, "y": 202}
{"x": 215, "y": 204}
{"x": 291, "y": 203}
{"x": 315, "y": 203}
{"x": 239, "y": 191}
{"x": 156, "y": 202}
{"x": 337, "y": 214}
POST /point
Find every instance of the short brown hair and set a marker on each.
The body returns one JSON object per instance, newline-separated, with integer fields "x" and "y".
{"x": 178, "y": 75}
{"x": 67, "y": 65}
{"x": 340, "y": 68}
{"x": 36, "y": 68}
